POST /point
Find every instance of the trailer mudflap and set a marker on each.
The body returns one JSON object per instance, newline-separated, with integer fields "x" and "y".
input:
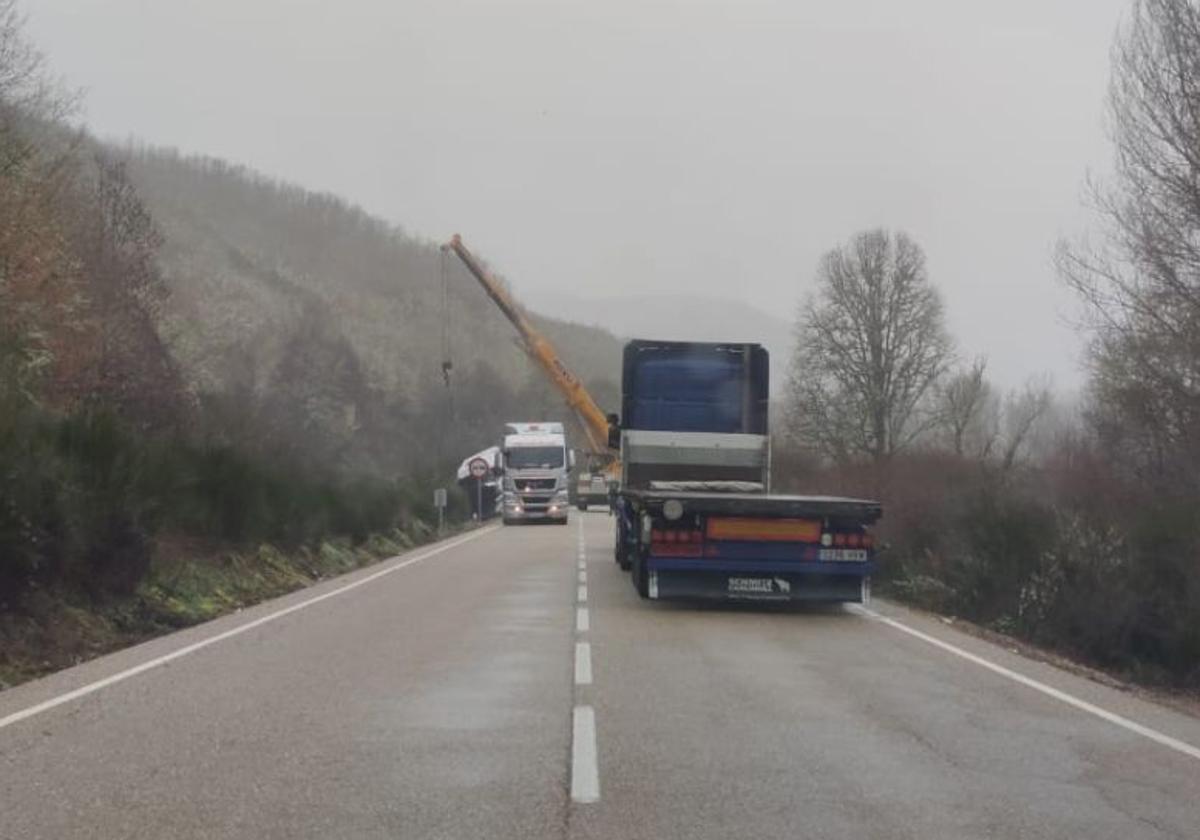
{"x": 739, "y": 585}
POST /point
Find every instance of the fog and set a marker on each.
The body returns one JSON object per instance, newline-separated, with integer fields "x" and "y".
{"x": 625, "y": 148}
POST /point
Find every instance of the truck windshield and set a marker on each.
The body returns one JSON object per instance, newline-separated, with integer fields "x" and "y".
{"x": 528, "y": 457}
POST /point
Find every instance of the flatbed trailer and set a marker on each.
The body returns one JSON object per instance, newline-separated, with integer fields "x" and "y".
{"x": 695, "y": 517}
{"x": 748, "y": 546}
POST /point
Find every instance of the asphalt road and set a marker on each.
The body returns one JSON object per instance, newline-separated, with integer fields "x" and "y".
{"x": 513, "y": 685}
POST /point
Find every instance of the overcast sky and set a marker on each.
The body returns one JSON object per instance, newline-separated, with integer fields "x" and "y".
{"x": 632, "y": 146}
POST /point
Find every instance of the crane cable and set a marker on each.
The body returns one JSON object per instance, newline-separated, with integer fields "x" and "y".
{"x": 447, "y": 363}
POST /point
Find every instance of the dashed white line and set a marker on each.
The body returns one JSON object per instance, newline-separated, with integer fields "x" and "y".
{"x": 582, "y": 620}
{"x": 581, "y": 596}
{"x": 583, "y": 663}
{"x": 113, "y": 679}
{"x": 1062, "y": 696}
{"x": 582, "y": 576}
{"x": 585, "y": 772}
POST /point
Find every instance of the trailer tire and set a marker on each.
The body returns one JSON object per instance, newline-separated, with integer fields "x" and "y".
{"x": 621, "y": 554}
{"x": 640, "y": 576}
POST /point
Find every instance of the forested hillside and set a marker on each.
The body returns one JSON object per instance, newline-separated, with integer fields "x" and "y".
{"x": 329, "y": 326}
{"x": 213, "y": 386}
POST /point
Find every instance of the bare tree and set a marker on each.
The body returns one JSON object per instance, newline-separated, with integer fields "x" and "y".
{"x": 870, "y": 345}
{"x": 36, "y": 270}
{"x": 1023, "y": 410}
{"x": 1142, "y": 284}
{"x": 963, "y": 400}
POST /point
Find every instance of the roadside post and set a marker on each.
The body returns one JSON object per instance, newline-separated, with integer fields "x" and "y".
{"x": 439, "y": 502}
{"x": 478, "y": 469}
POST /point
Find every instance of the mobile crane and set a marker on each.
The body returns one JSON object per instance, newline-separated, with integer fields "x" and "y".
{"x": 594, "y": 421}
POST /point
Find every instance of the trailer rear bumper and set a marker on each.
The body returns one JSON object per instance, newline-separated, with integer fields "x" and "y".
{"x": 747, "y": 581}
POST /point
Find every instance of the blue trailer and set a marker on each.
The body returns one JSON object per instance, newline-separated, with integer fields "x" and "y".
{"x": 695, "y": 515}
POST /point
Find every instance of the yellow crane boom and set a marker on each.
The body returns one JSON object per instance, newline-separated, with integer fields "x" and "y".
{"x": 593, "y": 420}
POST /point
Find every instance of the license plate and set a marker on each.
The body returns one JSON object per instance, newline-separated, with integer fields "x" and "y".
{"x": 843, "y": 555}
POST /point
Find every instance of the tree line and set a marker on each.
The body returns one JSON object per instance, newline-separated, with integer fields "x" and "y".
{"x": 191, "y": 350}
{"x": 1072, "y": 525}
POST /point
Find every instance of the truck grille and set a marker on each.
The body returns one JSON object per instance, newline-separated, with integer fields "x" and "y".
{"x": 534, "y": 483}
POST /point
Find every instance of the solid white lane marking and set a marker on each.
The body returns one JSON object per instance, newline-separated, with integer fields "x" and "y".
{"x": 581, "y": 596}
{"x": 113, "y": 679}
{"x": 585, "y": 772}
{"x": 1062, "y": 696}
{"x": 582, "y": 620}
{"x": 583, "y": 663}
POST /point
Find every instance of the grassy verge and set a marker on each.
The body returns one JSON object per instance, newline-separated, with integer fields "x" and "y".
{"x": 187, "y": 583}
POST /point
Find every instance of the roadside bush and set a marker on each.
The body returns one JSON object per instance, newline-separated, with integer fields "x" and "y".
{"x": 1064, "y": 554}
{"x": 82, "y": 499}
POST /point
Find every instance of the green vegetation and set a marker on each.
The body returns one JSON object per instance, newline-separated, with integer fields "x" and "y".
{"x": 215, "y": 387}
{"x": 186, "y": 583}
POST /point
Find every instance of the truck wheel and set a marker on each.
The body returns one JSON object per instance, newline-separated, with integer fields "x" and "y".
{"x": 641, "y": 577}
{"x": 582, "y": 506}
{"x": 621, "y": 553}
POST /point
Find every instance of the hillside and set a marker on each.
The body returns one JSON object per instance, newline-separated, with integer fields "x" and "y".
{"x": 332, "y": 324}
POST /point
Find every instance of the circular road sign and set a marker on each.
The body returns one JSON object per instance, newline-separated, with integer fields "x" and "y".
{"x": 478, "y": 467}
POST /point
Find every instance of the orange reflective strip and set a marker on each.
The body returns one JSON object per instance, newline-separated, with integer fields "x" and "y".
{"x": 774, "y": 530}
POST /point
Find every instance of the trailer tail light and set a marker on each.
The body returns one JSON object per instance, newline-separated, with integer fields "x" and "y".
{"x": 839, "y": 540}
{"x": 764, "y": 530}
{"x": 676, "y": 542}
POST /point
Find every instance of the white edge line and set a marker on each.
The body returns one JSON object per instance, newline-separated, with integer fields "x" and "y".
{"x": 113, "y": 679}
{"x": 582, "y": 620}
{"x": 583, "y": 663}
{"x": 585, "y": 773}
{"x": 1062, "y": 696}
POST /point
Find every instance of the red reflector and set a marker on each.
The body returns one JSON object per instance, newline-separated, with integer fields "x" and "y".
{"x": 670, "y": 535}
{"x": 852, "y": 540}
{"x": 839, "y": 539}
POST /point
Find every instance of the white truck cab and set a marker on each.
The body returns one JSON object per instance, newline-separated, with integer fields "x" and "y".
{"x": 537, "y": 465}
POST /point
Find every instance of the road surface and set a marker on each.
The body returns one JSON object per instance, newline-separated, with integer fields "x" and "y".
{"x": 510, "y": 684}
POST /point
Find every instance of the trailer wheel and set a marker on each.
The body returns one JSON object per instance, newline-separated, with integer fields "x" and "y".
{"x": 640, "y": 576}
{"x": 621, "y": 554}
